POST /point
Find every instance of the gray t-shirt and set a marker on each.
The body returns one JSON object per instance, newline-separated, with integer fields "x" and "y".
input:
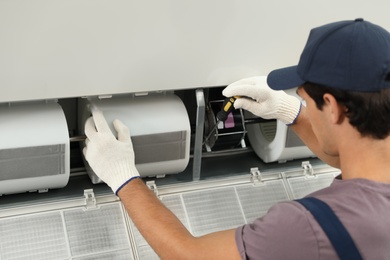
{"x": 289, "y": 231}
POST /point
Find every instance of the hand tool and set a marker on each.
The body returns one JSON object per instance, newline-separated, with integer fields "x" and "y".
{"x": 227, "y": 107}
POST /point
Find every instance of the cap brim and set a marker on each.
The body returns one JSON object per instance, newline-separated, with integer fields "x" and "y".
{"x": 285, "y": 78}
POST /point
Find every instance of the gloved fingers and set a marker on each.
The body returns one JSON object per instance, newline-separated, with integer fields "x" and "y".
{"x": 85, "y": 149}
{"x": 254, "y": 88}
{"x": 87, "y": 141}
{"x": 100, "y": 122}
{"x": 86, "y": 152}
{"x": 252, "y": 106}
{"x": 240, "y": 90}
{"x": 245, "y": 103}
{"x": 123, "y": 131}
{"x": 89, "y": 128}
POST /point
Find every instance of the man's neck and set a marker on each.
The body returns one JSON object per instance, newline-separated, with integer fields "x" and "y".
{"x": 367, "y": 158}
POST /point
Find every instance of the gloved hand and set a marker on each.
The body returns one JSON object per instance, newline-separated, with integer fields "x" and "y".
{"x": 110, "y": 158}
{"x": 262, "y": 101}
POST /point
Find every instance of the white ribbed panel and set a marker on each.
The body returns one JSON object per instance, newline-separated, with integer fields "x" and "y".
{"x": 102, "y": 233}
{"x": 256, "y": 200}
{"x": 302, "y": 186}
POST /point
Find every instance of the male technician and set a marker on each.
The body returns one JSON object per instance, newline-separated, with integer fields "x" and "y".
{"x": 343, "y": 77}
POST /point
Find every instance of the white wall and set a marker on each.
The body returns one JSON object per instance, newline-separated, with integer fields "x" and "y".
{"x": 71, "y": 48}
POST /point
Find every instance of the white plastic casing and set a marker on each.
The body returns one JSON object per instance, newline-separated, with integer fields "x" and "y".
{"x": 275, "y": 142}
{"x": 159, "y": 128}
{"x": 34, "y": 148}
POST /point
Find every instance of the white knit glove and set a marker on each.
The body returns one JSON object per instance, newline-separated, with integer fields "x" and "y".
{"x": 111, "y": 159}
{"x": 262, "y": 101}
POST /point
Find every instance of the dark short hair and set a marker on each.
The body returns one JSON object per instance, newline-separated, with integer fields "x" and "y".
{"x": 368, "y": 112}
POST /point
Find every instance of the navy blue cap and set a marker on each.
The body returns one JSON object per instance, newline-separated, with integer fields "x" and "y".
{"x": 349, "y": 55}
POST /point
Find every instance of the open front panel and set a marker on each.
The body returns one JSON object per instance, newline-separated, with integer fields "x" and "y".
{"x": 106, "y": 232}
{"x": 304, "y": 185}
{"x": 66, "y": 234}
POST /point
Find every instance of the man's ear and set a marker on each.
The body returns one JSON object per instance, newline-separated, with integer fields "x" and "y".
{"x": 336, "y": 111}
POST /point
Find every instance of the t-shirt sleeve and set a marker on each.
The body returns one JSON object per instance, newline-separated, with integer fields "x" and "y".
{"x": 284, "y": 232}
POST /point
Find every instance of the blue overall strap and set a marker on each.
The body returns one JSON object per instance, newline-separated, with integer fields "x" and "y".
{"x": 333, "y": 228}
